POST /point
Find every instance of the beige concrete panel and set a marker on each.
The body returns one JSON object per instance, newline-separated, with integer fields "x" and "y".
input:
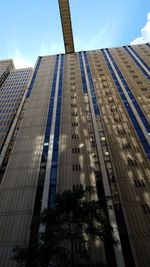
{"x": 144, "y": 52}
{"x": 14, "y": 228}
{"x": 17, "y": 201}
{"x": 19, "y": 178}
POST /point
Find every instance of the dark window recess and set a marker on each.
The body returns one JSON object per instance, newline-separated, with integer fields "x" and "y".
{"x": 75, "y": 136}
{"x": 117, "y": 120}
{"x": 131, "y": 71}
{"x": 75, "y": 150}
{"x": 73, "y": 105}
{"x": 76, "y": 167}
{"x": 139, "y": 82}
{"x": 74, "y": 114}
{"x": 74, "y": 124}
{"x": 2, "y": 170}
{"x": 110, "y": 101}
{"x": 132, "y": 162}
{"x": 93, "y": 143}
{"x": 139, "y": 182}
{"x": 114, "y": 109}
{"x": 126, "y": 146}
{"x": 108, "y": 93}
{"x": 143, "y": 89}
{"x": 121, "y": 132}
{"x": 146, "y": 208}
{"x": 135, "y": 77}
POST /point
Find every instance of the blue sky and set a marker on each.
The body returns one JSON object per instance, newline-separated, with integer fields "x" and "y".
{"x": 32, "y": 27}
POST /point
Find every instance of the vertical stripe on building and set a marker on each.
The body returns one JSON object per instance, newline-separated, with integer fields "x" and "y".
{"x": 95, "y": 113}
{"x": 50, "y": 114}
{"x": 125, "y": 101}
{"x": 34, "y": 77}
{"x": 138, "y": 61}
{"x": 49, "y": 133}
{"x": 55, "y": 153}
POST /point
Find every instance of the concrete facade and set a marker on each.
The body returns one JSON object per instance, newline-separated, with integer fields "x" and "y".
{"x": 85, "y": 120}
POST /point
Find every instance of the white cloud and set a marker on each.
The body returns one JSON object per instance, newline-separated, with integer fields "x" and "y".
{"x": 14, "y": 52}
{"x": 20, "y": 60}
{"x": 145, "y": 33}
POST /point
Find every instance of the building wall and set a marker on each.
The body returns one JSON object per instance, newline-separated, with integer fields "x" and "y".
{"x": 82, "y": 123}
{"x": 11, "y": 93}
{"x": 5, "y": 67}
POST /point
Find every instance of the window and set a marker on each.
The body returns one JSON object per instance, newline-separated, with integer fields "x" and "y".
{"x": 126, "y": 146}
{"x": 121, "y": 132}
{"x": 113, "y": 109}
{"x": 76, "y": 167}
{"x": 74, "y": 114}
{"x": 146, "y": 208}
{"x": 117, "y": 120}
{"x": 74, "y": 123}
{"x": 75, "y": 136}
{"x": 76, "y": 150}
{"x": 132, "y": 162}
{"x": 143, "y": 89}
{"x": 139, "y": 182}
{"x": 73, "y": 105}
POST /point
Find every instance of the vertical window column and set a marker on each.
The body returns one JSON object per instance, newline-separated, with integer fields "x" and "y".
{"x": 138, "y": 61}
{"x": 55, "y": 153}
{"x": 143, "y": 136}
{"x": 50, "y": 133}
{"x": 95, "y": 113}
{"x": 34, "y": 77}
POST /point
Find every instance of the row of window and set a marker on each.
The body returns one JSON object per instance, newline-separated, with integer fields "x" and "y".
{"x": 127, "y": 106}
{"x": 34, "y": 77}
{"x": 130, "y": 94}
{"x": 54, "y": 164}
{"x": 76, "y": 167}
{"x": 94, "y": 99}
{"x": 50, "y": 113}
{"x": 75, "y": 150}
{"x": 137, "y": 63}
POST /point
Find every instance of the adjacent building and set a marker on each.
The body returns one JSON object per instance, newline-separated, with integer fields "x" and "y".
{"x": 84, "y": 119}
{"x": 13, "y": 87}
{"x": 5, "y": 67}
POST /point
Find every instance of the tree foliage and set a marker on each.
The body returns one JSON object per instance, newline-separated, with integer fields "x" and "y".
{"x": 70, "y": 228}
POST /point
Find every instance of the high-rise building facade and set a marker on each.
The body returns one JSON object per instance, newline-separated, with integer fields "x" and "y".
{"x": 13, "y": 88}
{"x": 11, "y": 93}
{"x": 5, "y": 67}
{"x": 85, "y": 120}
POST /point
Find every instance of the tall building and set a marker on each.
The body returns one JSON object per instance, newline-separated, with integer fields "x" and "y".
{"x": 13, "y": 86}
{"x": 83, "y": 119}
{"x": 5, "y": 67}
{"x": 11, "y": 93}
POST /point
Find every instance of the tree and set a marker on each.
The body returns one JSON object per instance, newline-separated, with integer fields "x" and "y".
{"x": 70, "y": 227}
